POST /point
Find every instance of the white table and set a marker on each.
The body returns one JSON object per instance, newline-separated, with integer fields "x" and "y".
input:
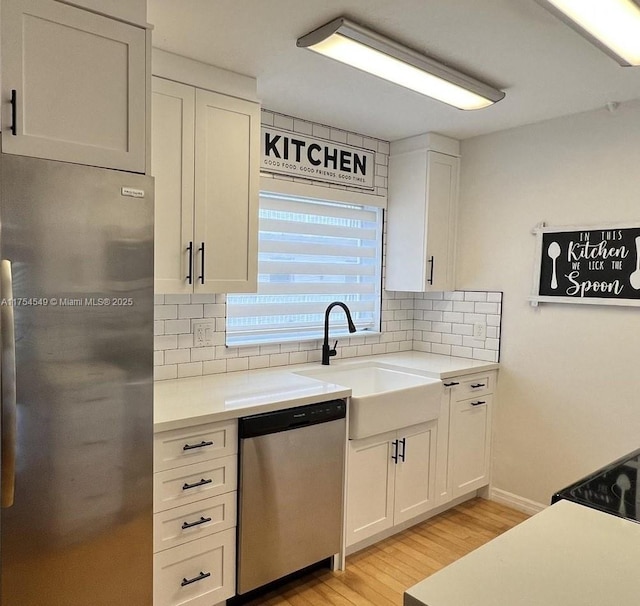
{"x": 567, "y": 555}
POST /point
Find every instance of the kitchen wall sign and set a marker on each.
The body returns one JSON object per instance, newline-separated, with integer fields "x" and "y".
{"x": 593, "y": 265}
{"x": 298, "y": 155}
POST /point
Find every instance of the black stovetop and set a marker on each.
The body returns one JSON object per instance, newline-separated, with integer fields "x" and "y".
{"x": 614, "y": 489}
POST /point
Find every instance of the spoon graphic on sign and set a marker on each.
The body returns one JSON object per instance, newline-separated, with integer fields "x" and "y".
{"x": 634, "y": 278}
{"x": 554, "y": 252}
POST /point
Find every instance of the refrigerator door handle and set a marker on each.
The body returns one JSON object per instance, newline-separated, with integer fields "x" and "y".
{"x": 8, "y": 362}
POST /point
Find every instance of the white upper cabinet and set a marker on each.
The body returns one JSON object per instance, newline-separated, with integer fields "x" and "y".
{"x": 172, "y": 162}
{"x": 226, "y": 193}
{"x": 205, "y": 158}
{"x": 73, "y": 85}
{"x": 422, "y": 214}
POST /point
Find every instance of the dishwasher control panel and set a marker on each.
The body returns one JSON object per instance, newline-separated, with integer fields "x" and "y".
{"x": 291, "y": 418}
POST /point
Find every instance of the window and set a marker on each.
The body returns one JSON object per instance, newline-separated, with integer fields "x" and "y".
{"x": 311, "y": 252}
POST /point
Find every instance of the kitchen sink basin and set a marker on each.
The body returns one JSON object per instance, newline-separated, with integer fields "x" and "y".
{"x": 383, "y": 399}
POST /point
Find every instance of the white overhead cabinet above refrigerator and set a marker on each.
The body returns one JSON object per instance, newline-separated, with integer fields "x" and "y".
{"x": 205, "y": 157}
{"x": 73, "y": 85}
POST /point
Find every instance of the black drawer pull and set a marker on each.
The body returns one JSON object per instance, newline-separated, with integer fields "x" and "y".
{"x": 190, "y": 274}
{"x": 202, "y": 520}
{"x": 431, "y": 261}
{"x": 404, "y": 448}
{"x": 202, "y": 575}
{"x": 201, "y": 251}
{"x": 451, "y": 384}
{"x": 196, "y": 484}
{"x": 478, "y": 385}
{"x": 14, "y": 112}
{"x": 477, "y": 403}
{"x": 394, "y": 456}
{"x": 201, "y": 445}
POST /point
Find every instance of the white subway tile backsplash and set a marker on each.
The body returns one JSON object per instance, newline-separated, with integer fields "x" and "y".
{"x": 214, "y": 367}
{"x": 162, "y": 373}
{"x": 165, "y": 312}
{"x": 165, "y": 342}
{"x": 464, "y": 306}
{"x": 475, "y": 296}
{"x": 176, "y": 327}
{"x": 461, "y": 352}
{"x": 177, "y": 356}
{"x": 199, "y": 354}
{"x": 193, "y": 369}
{"x": 452, "y": 316}
{"x": 487, "y": 308}
{"x": 462, "y": 329}
{"x": 177, "y": 299}
{"x": 237, "y": 364}
{"x": 431, "y": 322}
{"x": 438, "y": 348}
{"x": 190, "y": 311}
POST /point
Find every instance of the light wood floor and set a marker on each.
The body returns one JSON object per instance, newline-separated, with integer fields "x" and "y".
{"x": 378, "y": 575}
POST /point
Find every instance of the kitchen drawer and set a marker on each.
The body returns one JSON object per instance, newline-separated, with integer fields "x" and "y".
{"x": 475, "y": 385}
{"x": 194, "y": 444}
{"x": 202, "y": 518}
{"x": 199, "y": 481}
{"x": 198, "y": 573}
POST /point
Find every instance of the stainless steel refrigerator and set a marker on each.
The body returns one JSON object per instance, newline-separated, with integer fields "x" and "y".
{"x": 76, "y": 306}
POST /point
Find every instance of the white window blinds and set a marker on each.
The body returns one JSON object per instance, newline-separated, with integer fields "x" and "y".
{"x": 310, "y": 253}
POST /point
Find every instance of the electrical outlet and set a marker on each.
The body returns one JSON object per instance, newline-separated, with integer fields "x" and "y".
{"x": 203, "y": 331}
{"x": 480, "y": 331}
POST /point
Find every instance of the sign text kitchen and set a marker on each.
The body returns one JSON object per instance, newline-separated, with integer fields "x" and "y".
{"x": 589, "y": 265}
{"x": 288, "y": 153}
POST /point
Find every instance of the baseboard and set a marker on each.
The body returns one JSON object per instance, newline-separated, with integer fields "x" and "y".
{"x": 515, "y": 501}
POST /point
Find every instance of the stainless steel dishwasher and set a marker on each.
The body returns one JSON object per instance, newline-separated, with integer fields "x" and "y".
{"x": 290, "y": 491}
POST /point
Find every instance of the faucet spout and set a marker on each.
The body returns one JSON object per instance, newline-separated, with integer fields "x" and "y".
{"x": 328, "y": 352}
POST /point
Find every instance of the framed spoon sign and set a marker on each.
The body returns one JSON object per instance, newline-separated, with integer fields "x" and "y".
{"x": 597, "y": 265}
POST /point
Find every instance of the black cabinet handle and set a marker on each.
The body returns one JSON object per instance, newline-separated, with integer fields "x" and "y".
{"x": 196, "y": 484}
{"x": 201, "y": 445}
{"x": 404, "y": 448}
{"x": 202, "y": 520}
{"x": 431, "y": 262}
{"x": 478, "y": 385}
{"x": 478, "y": 403}
{"x": 394, "y": 456}
{"x": 201, "y": 251}
{"x": 202, "y": 575}
{"x": 14, "y": 112}
{"x": 451, "y": 384}
{"x": 190, "y": 274}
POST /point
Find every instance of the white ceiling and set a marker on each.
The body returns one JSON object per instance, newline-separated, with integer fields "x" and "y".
{"x": 545, "y": 68}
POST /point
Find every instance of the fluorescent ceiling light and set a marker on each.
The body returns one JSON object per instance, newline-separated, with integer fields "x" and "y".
{"x": 371, "y": 52}
{"x": 612, "y": 25}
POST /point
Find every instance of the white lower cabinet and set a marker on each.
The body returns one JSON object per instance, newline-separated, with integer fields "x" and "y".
{"x": 464, "y": 435}
{"x": 391, "y": 479}
{"x": 194, "y": 526}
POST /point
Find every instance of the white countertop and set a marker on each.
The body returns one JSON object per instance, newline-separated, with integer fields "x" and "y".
{"x": 567, "y": 555}
{"x": 184, "y": 402}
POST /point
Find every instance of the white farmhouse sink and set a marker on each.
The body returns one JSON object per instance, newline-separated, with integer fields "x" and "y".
{"x": 383, "y": 399}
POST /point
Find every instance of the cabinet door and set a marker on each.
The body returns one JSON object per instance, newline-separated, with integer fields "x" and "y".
{"x": 443, "y": 475}
{"x": 172, "y": 158}
{"x": 421, "y": 225}
{"x": 415, "y": 471}
{"x": 442, "y": 195}
{"x": 470, "y": 444}
{"x": 226, "y": 193}
{"x": 79, "y": 81}
{"x": 370, "y": 486}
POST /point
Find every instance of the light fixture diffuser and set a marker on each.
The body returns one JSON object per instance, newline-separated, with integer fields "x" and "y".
{"x": 612, "y": 25}
{"x": 371, "y": 52}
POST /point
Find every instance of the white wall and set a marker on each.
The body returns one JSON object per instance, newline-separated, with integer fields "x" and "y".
{"x": 569, "y": 385}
